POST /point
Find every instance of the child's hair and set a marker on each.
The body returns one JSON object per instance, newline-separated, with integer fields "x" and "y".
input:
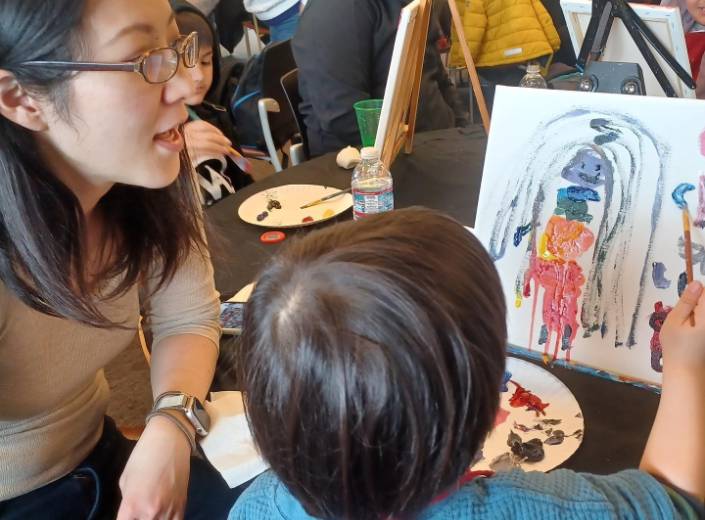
{"x": 372, "y": 357}
{"x": 41, "y": 222}
{"x": 188, "y": 22}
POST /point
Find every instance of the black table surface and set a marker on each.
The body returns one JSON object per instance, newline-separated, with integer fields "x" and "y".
{"x": 443, "y": 172}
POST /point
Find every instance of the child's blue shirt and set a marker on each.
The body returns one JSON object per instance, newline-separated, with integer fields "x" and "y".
{"x": 560, "y": 494}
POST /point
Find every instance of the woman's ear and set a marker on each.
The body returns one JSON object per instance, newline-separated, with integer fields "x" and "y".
{"x": 18, "y": 106}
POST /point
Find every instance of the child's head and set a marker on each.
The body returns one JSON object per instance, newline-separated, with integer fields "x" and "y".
{"x": 372, "y": 357}
{"x": 190, "y": 20}
{"x": 696, "y": 8}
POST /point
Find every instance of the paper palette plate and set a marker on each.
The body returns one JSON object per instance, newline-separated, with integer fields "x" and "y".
{"x": 562, "y": 405}
{"x": 291, "y": 197}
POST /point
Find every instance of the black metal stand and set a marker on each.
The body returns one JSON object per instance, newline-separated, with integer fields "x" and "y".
{"x": 603, "y": 14}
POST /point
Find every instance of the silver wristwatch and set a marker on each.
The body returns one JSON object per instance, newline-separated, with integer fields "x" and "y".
{"x": 190, "y": 406}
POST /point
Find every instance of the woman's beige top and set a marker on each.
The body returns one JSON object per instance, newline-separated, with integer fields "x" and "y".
{"x": 53, "y": 393}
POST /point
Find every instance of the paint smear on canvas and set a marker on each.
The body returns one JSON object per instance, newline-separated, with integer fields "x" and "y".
{"x": 658, "y": 275}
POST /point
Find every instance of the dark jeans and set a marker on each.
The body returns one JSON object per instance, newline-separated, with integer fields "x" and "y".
{"x": 91, "y": 490}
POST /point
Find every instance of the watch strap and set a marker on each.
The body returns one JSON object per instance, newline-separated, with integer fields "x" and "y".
{"x": 163, "y": 413}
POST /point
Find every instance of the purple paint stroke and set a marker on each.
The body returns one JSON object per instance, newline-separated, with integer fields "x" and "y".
{"x": 698, "y": 253}
{"x": 679, "y": 194}
{"x": 658, "y": 275}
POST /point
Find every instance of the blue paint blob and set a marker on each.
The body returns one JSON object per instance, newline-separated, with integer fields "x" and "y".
{"x": 658, "y": 275}
{"x": 581, "y": 193}
{"x": 679, "y": 194}
{"x": 520, "y": 233}
{"x": 682, "y": 283}
{"x": 505, "y": 381}
{"x": 565, "y": 340}
{"x": 587, "y": 168}
{"x": 607, "y": 134}
{"x": 543, "y": 335}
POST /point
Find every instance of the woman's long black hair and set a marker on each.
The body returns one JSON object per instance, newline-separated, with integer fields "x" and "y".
{"x": 42, "y": 252}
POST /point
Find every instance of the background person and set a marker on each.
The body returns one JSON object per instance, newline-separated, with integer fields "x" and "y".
{"x": 343, "y": 49}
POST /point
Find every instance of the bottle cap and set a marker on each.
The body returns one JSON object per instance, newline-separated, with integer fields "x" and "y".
{"x": 272, "y": 237}
{"x": 533, "y": 68}
{"x": 369, "y": 152}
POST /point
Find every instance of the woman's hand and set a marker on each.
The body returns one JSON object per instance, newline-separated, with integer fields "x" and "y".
{"x": 204, "y": 141}
{"x": 155, "y": 480}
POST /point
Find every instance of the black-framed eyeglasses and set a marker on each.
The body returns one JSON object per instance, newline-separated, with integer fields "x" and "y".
{"x": 155, "y": 66}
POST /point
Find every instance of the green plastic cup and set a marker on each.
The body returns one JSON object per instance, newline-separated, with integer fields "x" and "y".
{"x": 367, "y": 112}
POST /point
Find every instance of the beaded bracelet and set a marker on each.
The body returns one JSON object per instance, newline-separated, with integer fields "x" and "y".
{"x": 162, "y": 413}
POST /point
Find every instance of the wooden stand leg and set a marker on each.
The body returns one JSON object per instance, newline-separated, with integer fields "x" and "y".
{"x": 472, "y": 72}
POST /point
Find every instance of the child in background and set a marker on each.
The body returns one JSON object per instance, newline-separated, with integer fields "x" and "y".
{"x": 693, "y": 16}
{"x": 209, "y": 137}
{"x": 372, "y": 357}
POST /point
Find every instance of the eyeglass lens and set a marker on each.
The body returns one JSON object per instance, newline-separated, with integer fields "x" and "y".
{"x": 161, "y": 65}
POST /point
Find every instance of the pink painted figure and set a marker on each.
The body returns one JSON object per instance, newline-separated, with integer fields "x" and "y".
{"x": 553, "y": 269}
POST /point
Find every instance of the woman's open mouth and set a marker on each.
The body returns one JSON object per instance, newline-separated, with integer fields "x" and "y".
{"x": 171, "y": 140}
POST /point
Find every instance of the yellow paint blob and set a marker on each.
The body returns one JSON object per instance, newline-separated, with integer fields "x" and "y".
{"x": 328, "y": 213}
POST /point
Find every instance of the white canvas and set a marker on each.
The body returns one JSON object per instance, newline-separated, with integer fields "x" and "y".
{"x": 599, "y": 274}
{"x": 664, "y": 22}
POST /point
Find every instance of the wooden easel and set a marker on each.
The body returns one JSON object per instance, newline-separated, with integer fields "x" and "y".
{"x": 401, "y": 96}
{"x": 470, "y": 64}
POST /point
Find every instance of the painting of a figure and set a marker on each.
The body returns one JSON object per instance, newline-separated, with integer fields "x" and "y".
{"x": 580, "y": 208}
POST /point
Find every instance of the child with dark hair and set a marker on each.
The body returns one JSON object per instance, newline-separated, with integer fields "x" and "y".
{"x": 372, "y": 357}
{"x": 209, "y": 134}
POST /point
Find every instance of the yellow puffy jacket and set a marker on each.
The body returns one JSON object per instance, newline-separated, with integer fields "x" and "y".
{"x": 500, "y": 32}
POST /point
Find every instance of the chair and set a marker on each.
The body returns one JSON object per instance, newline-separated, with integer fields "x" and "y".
{"x": 290, "y": 85}
{"x": 278, "y": 122}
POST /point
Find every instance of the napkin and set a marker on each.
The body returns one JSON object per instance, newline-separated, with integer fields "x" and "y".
{"x": 229, "y": 445}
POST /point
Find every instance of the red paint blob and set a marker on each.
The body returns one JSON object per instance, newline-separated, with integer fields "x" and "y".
{"x": 524, "y": 397}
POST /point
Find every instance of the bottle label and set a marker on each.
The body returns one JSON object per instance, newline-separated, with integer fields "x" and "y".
{"x": 371, "y": 202}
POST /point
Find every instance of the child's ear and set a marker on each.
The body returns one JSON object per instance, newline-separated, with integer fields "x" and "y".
{"x": 18, "y": 106}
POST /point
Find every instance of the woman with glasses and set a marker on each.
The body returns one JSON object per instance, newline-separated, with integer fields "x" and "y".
{"x": 99, "y": 222}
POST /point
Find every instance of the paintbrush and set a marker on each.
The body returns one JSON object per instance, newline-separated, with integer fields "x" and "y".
{"x": 242, "y": 163}
{"x": 688, "y": 244}
{"x": 323, "y": 199}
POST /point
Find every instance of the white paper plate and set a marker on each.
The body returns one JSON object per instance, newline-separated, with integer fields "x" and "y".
{"x": 291, "y": 197}
{"x": 562, "y": 405}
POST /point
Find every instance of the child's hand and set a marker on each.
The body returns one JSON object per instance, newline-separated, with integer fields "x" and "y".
{"x": 684, "y": 344}
{"x": 205, "y": 141}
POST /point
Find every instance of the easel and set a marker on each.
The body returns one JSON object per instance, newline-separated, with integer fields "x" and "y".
{"x": 470, "y": 64}
{"x": 603, "y": 14}
{"x": 401, "y": 96}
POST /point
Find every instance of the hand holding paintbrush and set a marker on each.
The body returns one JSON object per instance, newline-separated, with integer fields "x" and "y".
{"x": 679, "y": 198}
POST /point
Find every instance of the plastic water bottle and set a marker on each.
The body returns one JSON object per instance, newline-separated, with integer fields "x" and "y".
{"x": 533, "y": 77}
{"x": 372, "y": 188}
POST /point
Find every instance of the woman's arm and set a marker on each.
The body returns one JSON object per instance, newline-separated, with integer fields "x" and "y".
{"x": 155, "y": 481}
{"x": 675, "y": 451}
{"x": 183, "y": 318}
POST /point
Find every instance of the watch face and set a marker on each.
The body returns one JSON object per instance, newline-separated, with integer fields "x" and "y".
{"x": 200, "y": 413}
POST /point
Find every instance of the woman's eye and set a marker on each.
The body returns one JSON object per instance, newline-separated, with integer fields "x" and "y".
{"x": 206, "y": 62}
